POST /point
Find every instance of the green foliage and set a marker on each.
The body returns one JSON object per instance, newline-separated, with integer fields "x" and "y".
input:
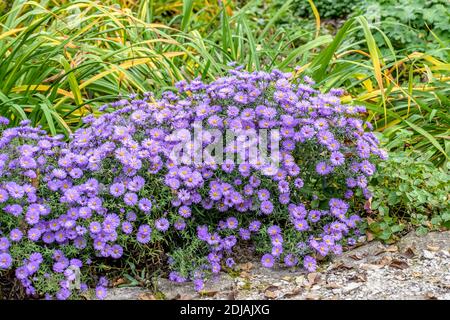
{"x": 328, "y": 9}
{"x": 409, "y": 191}
{"x": 411, "y": 24}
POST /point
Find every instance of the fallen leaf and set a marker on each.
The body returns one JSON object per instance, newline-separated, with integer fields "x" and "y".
{"x": 368, "y": 205}
{"x": 333, "y": 285}
{"x": 208, "y": 293}
{"x": 118, "y": 282}
{"x": 293, "y": 293}
{"x": 246, "y": 266}
{"x": 384, "y": 261}
{"x": 232, "y": 295}
{"x": 360, "y": 277}
{"x": 409, "y": 253}
{"x": 313, "y": 278}
{"x": 341, "y": 265}
{"x": 182, "y": 297}
{"x": 433, "y": 248}
{"x": 312, "y": 296}
{"x": 391, "y": 249}
{"x": 355, "y": 257}
{"x": 244, "y": 274}
{"x": 430, "y": 296}
{"x": 146, "y": 296}
{"x": 370, "y": 236}
{"x": 399, "y": 264}
{"x": 287, "y": 278}
{"x": 270, "y": 292}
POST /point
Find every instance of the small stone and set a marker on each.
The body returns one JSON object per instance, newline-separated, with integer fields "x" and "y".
{"x": 428, "y": 254}
{"x": 351, "y": 286}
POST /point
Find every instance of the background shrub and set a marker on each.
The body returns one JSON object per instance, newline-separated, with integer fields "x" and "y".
{"x": 328, "y": 9}
{"x": 409, "y": 191}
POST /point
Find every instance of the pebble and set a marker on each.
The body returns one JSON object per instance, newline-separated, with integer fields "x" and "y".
{"x": 428, "y": 254}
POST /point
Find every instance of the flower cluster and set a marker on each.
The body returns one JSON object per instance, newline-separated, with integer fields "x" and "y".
{"x": 116, "y": 186}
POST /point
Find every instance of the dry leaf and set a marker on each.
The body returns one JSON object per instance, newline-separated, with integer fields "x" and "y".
{"x": 368, "y": 206}
{"x": 360, "y": 277}
{"x": 355, "y": 257}
{"x": 333, "y": 285}
{"x": 341, "y": 265}
{"x": 313, "y": 278}
{"x": 409, "y": 253}
{"x": 118, "y": 282}
{"x": 182, "y": 297}
{"x": 391, "y": 249}
{"x": 209, "y": 293}
{"x": 399, "y": 264}
{"x": 430, "y": 296}
{"x": 370, "y": 236}
{"x": 293, "y": 293}
{"x": 232, "y": 295}
{"x": 433, "y": 248}
{"x": 270, "y": 292}
{"x": 146, "y": 296}
{"x": 246, "y": 266}
{"x": 312, "y": 296}
{"x": 384, "y": 261}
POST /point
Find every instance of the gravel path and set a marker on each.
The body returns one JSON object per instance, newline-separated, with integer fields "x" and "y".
{"x": 414, "y": 268}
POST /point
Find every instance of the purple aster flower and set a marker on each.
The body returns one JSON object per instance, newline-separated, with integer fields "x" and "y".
{"x": 5, "y": 261}
{"x": 117, "y": 189}
{"x": 267, "y": 260}
{"x": 130, "y": 198}
{"x": 266, "y": 207}
{"x": 145, "y": 205}
{"x": 13, "y": 209}
{"x": 263, "y": 194}
{"x": 95, "y": 227}
{"x": 232, "y": 223}
{"x": 3, "y": 196}
{"x": 143, "y": 238}
{"x": 179, "y": 224}
{"x": 337, "y": 158}
{"x": 127, "y": 227}
{"x": 290, "y": 260}
{"x": 131, "y": 216}
{"x": 162, "y": 224}
{"x": 100, "y": 292}
{"x": 199, "y": 284}
{"x": 34, "y": 234}
{"x": 314, "y": 215}
{"x": 116, "y": 251}
{"x": 16, "y": 235}
{"x": 309, "y": 263}
{"x": 244, "y": 234}
{"x": 273, "y": 230}
{"x": 301, "y": 225}
{"x": 230, "y": 263}
{"x": 4, "y": 244}
{"x": 21, "y": 273}
{"x": 184, "y": 211}
{"x": 323, "y": 169}
{"x": 298, "y": 183}
{"x": 254, "y": 226}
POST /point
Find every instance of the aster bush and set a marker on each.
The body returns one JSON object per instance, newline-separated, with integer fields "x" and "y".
{"x": 121, "y": 187}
